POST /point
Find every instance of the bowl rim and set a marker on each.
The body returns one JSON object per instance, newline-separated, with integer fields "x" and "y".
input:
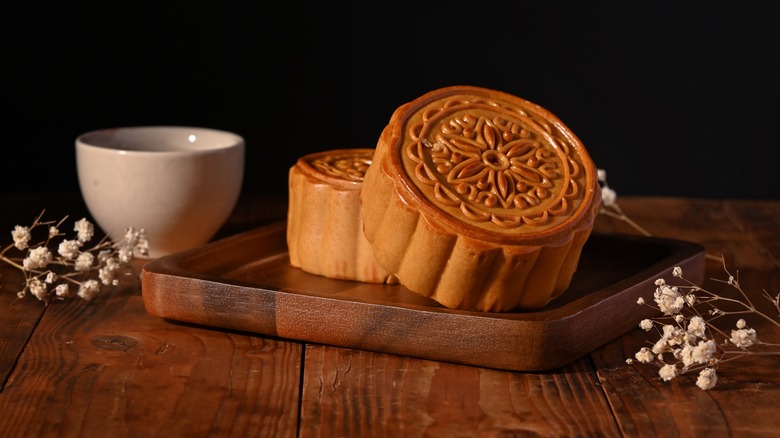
{"x": 168, "y": 139}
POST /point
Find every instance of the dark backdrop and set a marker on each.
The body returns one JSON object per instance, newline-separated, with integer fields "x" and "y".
{"x": 671, "y": 98}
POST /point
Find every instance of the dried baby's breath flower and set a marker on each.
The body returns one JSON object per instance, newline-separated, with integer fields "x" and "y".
{"x": 707, "y": 379}
{"x": 50, "y": 275}
{"x": 609, "y": 205}
{"x": 645, "y": 355}
{"x": 668, "y": 372}
{"x": 688, "y": 338}
{"x": 21, "y": 236}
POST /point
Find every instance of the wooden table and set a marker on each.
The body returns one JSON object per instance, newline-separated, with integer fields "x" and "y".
{"x": 107, "y": 368}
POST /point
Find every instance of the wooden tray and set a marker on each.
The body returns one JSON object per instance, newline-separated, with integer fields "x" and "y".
{"x": 245, "y": 283}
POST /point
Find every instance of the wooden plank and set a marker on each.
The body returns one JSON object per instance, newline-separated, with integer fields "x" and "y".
{"x": 746, "y": 233}
{"x": 18, "y": 318}
{"x": 359, "y": 393}
{"x": 647, "y": 406}
{"x": 759, "y": 221}
{"x": 107, "y": 368}
{"x": 703, "y": 221}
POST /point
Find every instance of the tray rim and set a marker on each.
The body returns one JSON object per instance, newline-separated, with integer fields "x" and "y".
{"x": 161, "y": 274}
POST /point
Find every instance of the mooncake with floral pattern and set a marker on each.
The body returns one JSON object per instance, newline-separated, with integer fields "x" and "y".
{"x": 324, "y": 225}
{"x": 480, "y": 200}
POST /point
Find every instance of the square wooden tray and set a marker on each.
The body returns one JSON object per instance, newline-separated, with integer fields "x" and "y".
{"x": 245, "y": 282}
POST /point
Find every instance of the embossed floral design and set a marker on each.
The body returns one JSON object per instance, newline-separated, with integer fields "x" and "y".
{"x": 350, "y": 167}
{"x": 496, "y": 170}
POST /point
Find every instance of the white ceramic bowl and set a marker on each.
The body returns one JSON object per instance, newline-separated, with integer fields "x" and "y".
{"x": 179, "y": 183}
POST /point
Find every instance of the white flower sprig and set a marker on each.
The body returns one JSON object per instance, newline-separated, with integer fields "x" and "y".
{"x": 609, "y": 205}
{"x": 688, "y": 338}
{"x": 49, "y": 274}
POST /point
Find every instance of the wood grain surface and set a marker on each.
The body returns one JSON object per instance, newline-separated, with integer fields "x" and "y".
{"x": 246, "y": 282}
{"x": 108, "y": 368}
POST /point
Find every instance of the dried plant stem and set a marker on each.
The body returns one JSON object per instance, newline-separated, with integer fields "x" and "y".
{"x": 688, "y": 339}
{"x": 616, "y": 212}
{"x": 53, "y": 264}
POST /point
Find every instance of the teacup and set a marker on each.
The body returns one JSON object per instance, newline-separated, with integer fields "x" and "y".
{"x": 178, "y": 183}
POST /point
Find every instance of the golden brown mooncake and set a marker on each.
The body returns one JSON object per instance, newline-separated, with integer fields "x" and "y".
{"x": 324, "y": 226}
{"x": 480, "y": 200}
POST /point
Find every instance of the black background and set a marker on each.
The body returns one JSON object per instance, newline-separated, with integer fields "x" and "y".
{"x": 672, "y": 99}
